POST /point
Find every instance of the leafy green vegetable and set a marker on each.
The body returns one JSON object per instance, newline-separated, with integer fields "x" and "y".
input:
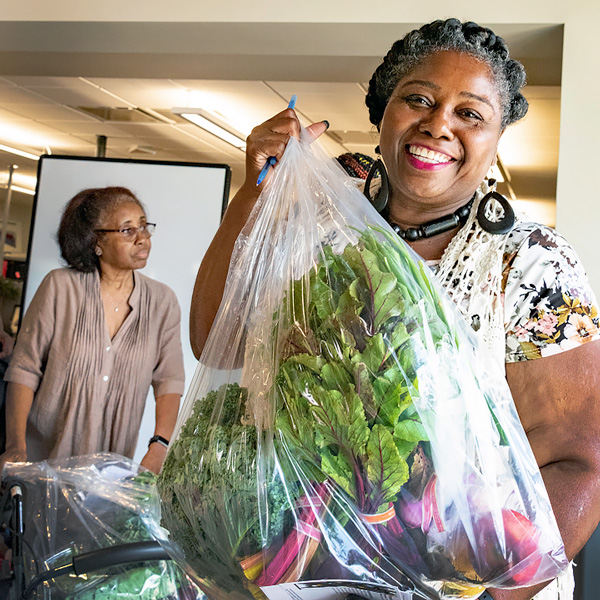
{"x": 344, "y": 401}
{"x": 208, "y": 489}
{"x": 145, "y": 581}
{"x": 348, "y": 342}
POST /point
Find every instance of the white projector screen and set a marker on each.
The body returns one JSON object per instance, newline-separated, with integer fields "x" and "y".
{"x": 185, "y": 200}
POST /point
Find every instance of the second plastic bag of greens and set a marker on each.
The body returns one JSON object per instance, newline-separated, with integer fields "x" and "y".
{"x": 342, "y": 425}
{"x": 79, "y": 506}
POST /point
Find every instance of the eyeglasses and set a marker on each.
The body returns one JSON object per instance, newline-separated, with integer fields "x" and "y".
{"x": 130, "y": 233}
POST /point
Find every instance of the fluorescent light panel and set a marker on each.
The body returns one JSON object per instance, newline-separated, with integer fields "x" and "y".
{"x": 17, "y": 188}
{"x": 197, "y": 117}
{"x": 19, "y": 152}
{"x": 23, "y": 190}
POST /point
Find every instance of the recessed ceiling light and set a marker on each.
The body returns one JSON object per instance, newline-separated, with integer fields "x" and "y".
{"x": 212, "y": 124}
{"x": 19, "y": 152}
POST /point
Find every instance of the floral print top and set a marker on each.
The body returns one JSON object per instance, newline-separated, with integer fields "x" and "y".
{"x": 549, "y": 306}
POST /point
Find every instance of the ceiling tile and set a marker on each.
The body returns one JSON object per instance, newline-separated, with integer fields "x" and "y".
{"x": 92, "y": 127}
{"x": 45, "y": 112}
{"x": 9, "y": 117}
{"x": 142, "y": 130}
{"x": 17, "y": 95}
{"x": 84, "y": 96}
{"x": 34, "y": 82}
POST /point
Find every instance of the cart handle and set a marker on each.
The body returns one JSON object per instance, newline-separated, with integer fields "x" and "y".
{"x": 104, "y": 558}
{"x": 118, "y": 555}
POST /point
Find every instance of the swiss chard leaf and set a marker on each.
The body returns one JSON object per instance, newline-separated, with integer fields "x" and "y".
{"x": 387, "y": 471}
{"x": 322, "y": 297}
{"x": 298, "y": 441}
{"x": 340, "y": 470}
{"x": 298, "y": 339}
{"x": 339, "y": 420}
{"x": 364, "y": 389}
{"x": 375, "y": 289}
{"x": 398, "y": 336}
{"x": 348, "y": 317}
{"x": 314, "y": 363}
{"x": 410, "y": 430}
{"x": 392, "y": 396}
{"x": 335, "y": 376}
{"x": 375, "y": 354}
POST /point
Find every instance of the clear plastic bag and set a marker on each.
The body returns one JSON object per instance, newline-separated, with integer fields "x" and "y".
{"x": 87, "y": 503}
{"x": 342, "y": 425}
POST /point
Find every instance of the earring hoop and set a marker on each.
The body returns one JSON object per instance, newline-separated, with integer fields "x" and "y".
{"x": 380, "y": 200}
{"x": 489, "y": 217}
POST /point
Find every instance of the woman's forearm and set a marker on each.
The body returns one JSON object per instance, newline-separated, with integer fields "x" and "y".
{"x": 558, "y": 400}
{"x": 167, "y": 408}
{"x": 19, "y": 399}
{"x": 210, "y": 281}
{"x": 573, "y": 486}
{"x": 573, "y": 489}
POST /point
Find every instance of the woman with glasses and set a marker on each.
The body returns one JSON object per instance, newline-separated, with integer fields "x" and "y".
{"x": 96, "y": 336}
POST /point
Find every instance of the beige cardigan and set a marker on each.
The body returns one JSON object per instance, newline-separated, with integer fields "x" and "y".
{"x": 90, "y": 390}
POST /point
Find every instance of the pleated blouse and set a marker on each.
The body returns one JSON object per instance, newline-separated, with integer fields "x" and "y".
{"x": 89, "y": 390}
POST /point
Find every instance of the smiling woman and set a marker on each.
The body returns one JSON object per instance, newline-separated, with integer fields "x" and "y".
{"x": 441, "y": 99}
{"x": 94, "y": 338}
{"x": 439, "y": 136}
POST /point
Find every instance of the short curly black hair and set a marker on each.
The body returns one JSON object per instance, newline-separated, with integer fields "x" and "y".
{"x": 84, "y": 214}
{"x": 482, "y": 43}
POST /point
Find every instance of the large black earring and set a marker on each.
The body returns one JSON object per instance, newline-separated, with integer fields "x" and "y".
{"x": 380, "y": 200}
{"x": 489, "y": 217}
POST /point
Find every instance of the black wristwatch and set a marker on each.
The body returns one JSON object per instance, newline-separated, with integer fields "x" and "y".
{"x": 160, "y": 439}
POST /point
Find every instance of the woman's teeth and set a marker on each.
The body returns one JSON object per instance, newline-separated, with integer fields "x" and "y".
{"x": 429, "y": 156}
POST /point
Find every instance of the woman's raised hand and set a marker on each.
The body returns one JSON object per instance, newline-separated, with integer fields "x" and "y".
{"x": 270, "y": 139}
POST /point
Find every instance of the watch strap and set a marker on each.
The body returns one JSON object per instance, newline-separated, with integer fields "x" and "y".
{"x": 160, "y": 439}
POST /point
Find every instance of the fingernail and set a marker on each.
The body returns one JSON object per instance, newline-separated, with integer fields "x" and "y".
{"x": 326, "y": 123}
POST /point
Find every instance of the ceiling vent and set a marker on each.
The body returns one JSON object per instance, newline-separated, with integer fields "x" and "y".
{"x": 123, "y": 114}
{"x": 142, "y": 150}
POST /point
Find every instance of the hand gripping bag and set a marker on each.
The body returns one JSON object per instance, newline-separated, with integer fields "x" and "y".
{"x": 343, "y": 431}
